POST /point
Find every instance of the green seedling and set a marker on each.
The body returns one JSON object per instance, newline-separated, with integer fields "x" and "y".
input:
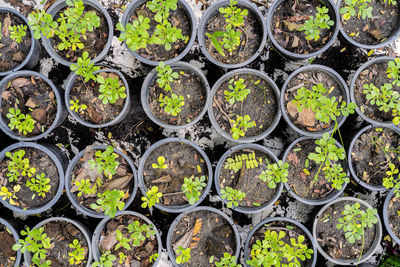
{"x": 110, "y": 89}
{"x": 42, "y": 23}
{"x": 240, "y": 126}
{"x": 139, "y": 232}
{"x": 5, "y": 194}
{"x": 122, "y": 257}
{"x": 85, "y": 68}
{"x": 391, "y": 2}
{"x": 40, "y": 185}
{"x": 109, "y": 202}
{"x": 183, "y": 255}
{"x": 154, "y": 257}
{"x": 122, "y": 241}
{"x": 23, "y": 123}
{"x": 390, "y": 181}
{"x": 106, "y": 260}
{"x": 232, "y": 196}
{"x": 135, "y": 34}
{"x": 160, "y": 163}
{"x": 152, "y": 197}
{"x": 192, "y": 187}
{"x": 362, "y": 8}
{"x": 18, "y": 165}
{"x": 313, "y": 25}
{"x": 237, "y": 93}
{"x": 393, "y": 71}
{"x": 75, "y": 106}
{"x": 227, "y": 261}
{"x": 86, "y": 188}
{"x": 165, "y": 76}
{"x": 17, "y": 32}
{"x": 242, "y": 160}
{"x": 77, "y": 255}
{"x": 173, "y": 105}
{"x": 105, "y": 162}
{"x": 275, "y": 173}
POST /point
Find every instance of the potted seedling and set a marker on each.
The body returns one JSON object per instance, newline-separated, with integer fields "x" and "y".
{"x": 18, "y": 49}
{"x": 56, "y": 241}
{"x": 391, "y": 214}
{"x": 8, "y": 235}
{"x": 158, "y": 30}
{"x": 96, "y": 97}
{"x": 249, "y": 178}
{"x": 245, "y": 106}
{"x": 362, "y": 22}
{"x": 203, "y": 237}
{"x": 101, "y": 181}
{"x": 347, "y": 231}
{"x": 129, "y": 239}
{"x": 175, "y": 96}
{"x": 302, "y": 29}
{"x": 174, "y": 175}
{"x": 70, "y": 27}
{"x": 232, "y": 33}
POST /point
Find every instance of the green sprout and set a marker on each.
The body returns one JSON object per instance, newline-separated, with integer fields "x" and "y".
{"x": 109, "y": 202}
{"x": 42, "y": 23}
{"x": 139, "y": 232}
{"x": 275, "y": 173}
{"x": 313, "y": 25}
{"x": 160, "y": 163}
{"x": 18, "y": 165}
{"x": 75, "y": 106}
{"x": 227, "y": 261}
{"x": 85, "y": 68}
{"x": 351, "y": 7}
{"x": 23, "y": 123}
{"x": 78, "y": 253}
{"x": 242, "y": 160}
{"x": 183, "y": 255}
{"x": 165, "y": 76}
{"x": 135, "y": 34}
{"x": 122, "y": 241}
{"x": 122, "y": 257}
{"x": 233, "y": 196}
{"x": 105, "y": 161}
{"x": 237, "y": 93}
{"x": 110, "y": 89}
{"x": 106, "y": 260}
{"x": 40, "y": 185}
{"x": 10, "y": 195}
{"x": 240, "y": 126}
{"x": 85, "y": 187}
{"x": 192, "y": 187}
{"x": 17, "y": 32}
{"x": 154, "y": 257}
{"x": 391, "y": 2}
{"x": 152, "y": 197}
{"x": 393, "y": 71}
{"x": 389, "y": 181}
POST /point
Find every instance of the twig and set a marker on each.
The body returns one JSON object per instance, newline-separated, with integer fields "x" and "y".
{"x": 172, "y": 194}
{"x": 294, "y": 88}
{"x": 223, "y": 112}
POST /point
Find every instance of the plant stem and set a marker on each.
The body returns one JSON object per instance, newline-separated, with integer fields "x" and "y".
{"x": 362, "y": 248}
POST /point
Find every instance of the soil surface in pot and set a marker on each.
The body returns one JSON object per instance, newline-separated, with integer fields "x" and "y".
{"x": 138, "y": 255}
{"x": 179, "y": 18}
{"x": 182, "y": 161}
{"x": 394, "y": 215}
{"x": 333, "y": 240}
{"x": 306, "y": 120}
{"x": 247, "y": 180}
{"x": 372, "y": 152}
{"x": 291, "y": 231}
{"x": 207, "y": 234}
{"x": 88, "y": 93}
{"x": 287, "y": 19}
{"x": 376, "y": 74}
{"x": 32, "y": 96}
{"x": 43, "y": 164}
{"x": 94, "y": 41}
{"x": 190, "y": 86}
{"x": 251, "y": 31}
{"x": 121, "y": 180}
{"x": 260, "y": 104}
{"x": 12, "y": 53}
{"x": 301, "y": 182}
{"x": 371, "y": 31}
{"x": 7, "y": 255}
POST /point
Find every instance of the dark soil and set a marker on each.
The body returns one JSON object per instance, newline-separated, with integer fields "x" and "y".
{"x": 11, "y": 53}
{"x": 305, "y": 120}
{"x": 7, "y": 255}
{"x": 247, "y": 180}
{"x": 179, "y": 18}
{"x": 190, "y": 86}
{"x": 369, "y": 161}
{"x": 43, "y": 164}
{"x": 260, "y": 104}
{"x": 137, "y": 256}
{"x": 376, "y": 74}
{"x": 207, "y": 234}
{"x": 250, "y": 40}
{"x": 183, "y": 161}
{"x": 33, "y": 96}
{"x": 291, "y": 15}
{"x": 384, "y": 22}
{"x": 333, "y": 241}
{"x": 394, "y": 215}
{"x": 88, "y": 94}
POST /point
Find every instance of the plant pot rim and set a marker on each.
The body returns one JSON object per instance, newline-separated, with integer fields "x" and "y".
{"x": 368, "y": 253}
{"x": 81, "y": 208}
{"x": 314, "y": 202}
{"x": 292, "y": 55}
{"x": 99, "y": 228}
{"x": 200, "y": 208}
{"x": 60, "y": 170}
{"x": 386, "y": 216}
{"x": 60, "y": 109}
{"x": 152, "y": 76}
{"x": 203, "y": 24}
{"x": 284, "y": 219}
{"x": 124, "y": 112}
{"x": 342, "y": 87}
{"x": 215, "y": 88}
{"x": 60, "y": 4}
{"x": 217, "y": 179}
{"x": 34, "y": 42}
{"x": 78, "y": 225}
{"x": 192, "y": 19}
{"x": 16, "y": 238}
{"x": 181, "y": 208}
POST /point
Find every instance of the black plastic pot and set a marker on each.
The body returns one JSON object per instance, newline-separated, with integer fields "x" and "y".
{"x": 334, "y": 14}
{"x": 124, "y": 112}
{"x": 386, "y": 217}
{"x": 57, "y": 7}
{"x": 181, "y": 208}
{"x": 97, "y": 234}
{"x": 284, "y": 219}
{"x": 32, "y": 58}
{"x": 61, "y": 110}
{"x": 352, "y": 85}
{"x": 87, "y": 211}
{"x": 350, "y": 41}
{"x": 171, "y": 253}
{"x": 343, "y": 88}
{"x": 313, "y": 202}
{"x": 220, "y": 165}
{"x": 16, "y": 238}
{"x": 153, "y": 76}
{"x": 81, "y": 227}
{"x": 211, "y": 11}
{"x": 367, "y": 254}
{"x": 59, "y": 160}
{"x": 226, "y": 77}
{"x": 136, "y": 4}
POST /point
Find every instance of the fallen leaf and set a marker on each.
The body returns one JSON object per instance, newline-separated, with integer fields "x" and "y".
{"x": 119, "y": 183}
{"x": 291, "y": 108}
{"x": 292, "y": 26}
{"x": 306, "y": 117}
